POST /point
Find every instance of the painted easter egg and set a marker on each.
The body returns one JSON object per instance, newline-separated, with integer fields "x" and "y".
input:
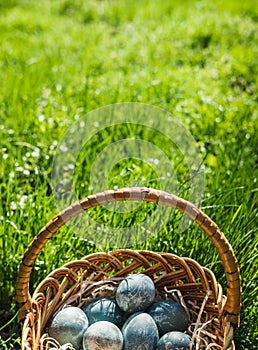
{"x": 174, "y": 341}
{"x": 169, "y": 316}
{"x": 140, "y": 332}
{"x": 68, "y": 326}
{"x": 103, "y": 335}
{"x": 104, "y": 309}
{"x": 135, "y": 293}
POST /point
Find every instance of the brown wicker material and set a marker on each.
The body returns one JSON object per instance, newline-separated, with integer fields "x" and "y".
{"x": 78, "y": 280}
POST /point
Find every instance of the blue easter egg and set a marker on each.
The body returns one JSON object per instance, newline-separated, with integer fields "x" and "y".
{"x": 140, "y": 332}
{"x": 135, "y": 293}
{"x": 169, "y": 316}
{"x": 174, "y": 341}
{"x": 104, "y": 309}
{"x": 68, "y": 326}
{"x": 103, "y": 335}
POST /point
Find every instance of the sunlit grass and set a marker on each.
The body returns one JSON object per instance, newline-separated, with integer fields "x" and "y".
{"x": 195, "y": 59}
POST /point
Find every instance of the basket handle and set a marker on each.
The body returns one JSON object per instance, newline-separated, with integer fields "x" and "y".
{"x": 227, "y": 256}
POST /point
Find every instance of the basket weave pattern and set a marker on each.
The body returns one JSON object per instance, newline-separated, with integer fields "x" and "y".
{"x": 78, "y": 280}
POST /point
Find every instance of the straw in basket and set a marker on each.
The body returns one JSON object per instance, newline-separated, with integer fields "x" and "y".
{"x": 214, "y": 316}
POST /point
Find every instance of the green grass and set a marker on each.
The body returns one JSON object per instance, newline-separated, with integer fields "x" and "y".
{"x": 195, "y": 59}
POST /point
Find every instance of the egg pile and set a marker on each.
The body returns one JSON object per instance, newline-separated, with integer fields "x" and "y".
{"x": 133, "y": 320}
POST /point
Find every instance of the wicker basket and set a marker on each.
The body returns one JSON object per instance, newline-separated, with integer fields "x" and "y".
{"x": 80, "y": 280}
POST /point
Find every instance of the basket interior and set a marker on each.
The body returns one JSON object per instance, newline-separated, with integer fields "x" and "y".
{"x": 98, "y": 275}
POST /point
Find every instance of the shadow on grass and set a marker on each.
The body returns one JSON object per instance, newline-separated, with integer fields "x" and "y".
{"x": 9, "y": 331}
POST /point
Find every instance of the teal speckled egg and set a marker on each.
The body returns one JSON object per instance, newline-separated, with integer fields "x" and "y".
{"x": 103, "y": 335}
{"x": 169, "y": 316}
{"x": 140, "y": 332}
{"x": 68, "y": 326}
{"x": 135, "y": 293}
{"x": 174, "y": 341}
{"x": 104, "y": 309}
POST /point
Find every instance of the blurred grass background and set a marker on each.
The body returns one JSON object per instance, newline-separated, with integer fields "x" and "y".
{"x": 60, "y": 60}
